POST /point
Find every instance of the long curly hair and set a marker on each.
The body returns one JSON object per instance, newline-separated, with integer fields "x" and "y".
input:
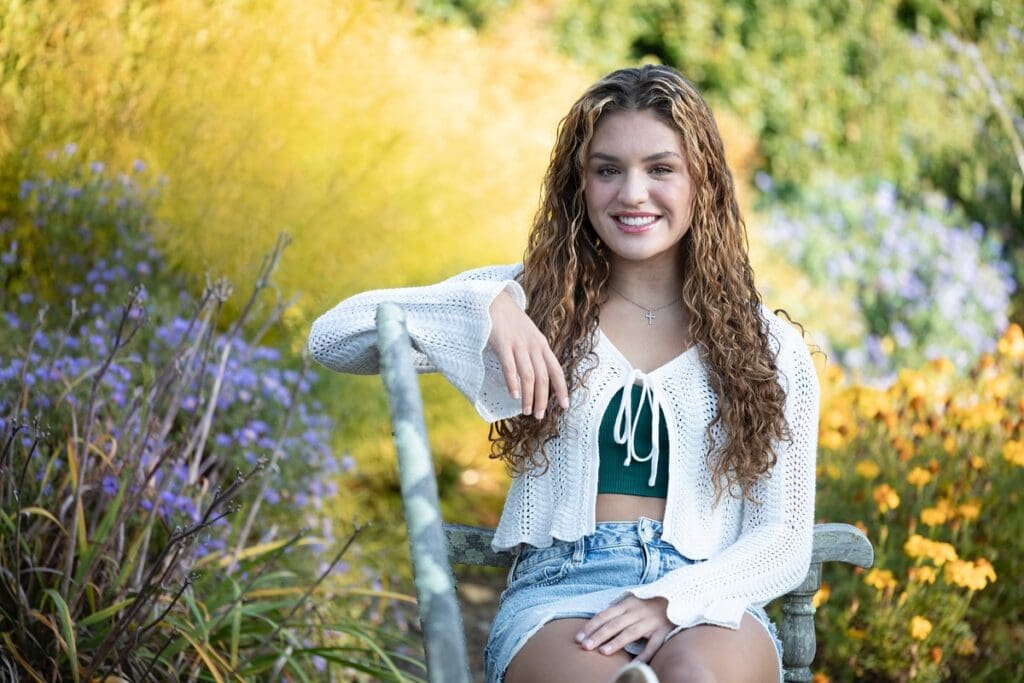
{"x": 565, "y": 278}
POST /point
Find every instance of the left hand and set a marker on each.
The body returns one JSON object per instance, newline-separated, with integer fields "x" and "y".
{"x": 628, "y": 620}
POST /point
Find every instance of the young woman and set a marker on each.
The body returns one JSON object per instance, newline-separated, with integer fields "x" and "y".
{"x": 661, "y": 422}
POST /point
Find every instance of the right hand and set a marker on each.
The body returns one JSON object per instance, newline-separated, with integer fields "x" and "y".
{"x": 532, "y": 371}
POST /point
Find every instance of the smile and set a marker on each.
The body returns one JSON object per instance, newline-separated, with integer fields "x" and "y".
{"x": 635, "y": 223}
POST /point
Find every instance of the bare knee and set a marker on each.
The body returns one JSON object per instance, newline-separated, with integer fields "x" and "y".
{"x": 684, "y": 668}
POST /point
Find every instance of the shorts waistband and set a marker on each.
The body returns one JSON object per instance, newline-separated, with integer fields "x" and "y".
{"x": 606, "y": 535}
{"x": 612, "y": 534}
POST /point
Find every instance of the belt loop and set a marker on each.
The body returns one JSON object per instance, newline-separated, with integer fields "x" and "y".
{"x": 579, "y": 550}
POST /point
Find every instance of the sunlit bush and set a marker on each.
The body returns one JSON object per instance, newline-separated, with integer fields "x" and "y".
{"x": 932, "y": 468}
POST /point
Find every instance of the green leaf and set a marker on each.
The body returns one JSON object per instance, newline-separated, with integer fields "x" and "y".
{"x": 67, "y": 627}
{"x": 104, "y": 613}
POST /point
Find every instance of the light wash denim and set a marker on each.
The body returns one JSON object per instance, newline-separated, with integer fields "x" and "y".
{"x": 579, "y": 579}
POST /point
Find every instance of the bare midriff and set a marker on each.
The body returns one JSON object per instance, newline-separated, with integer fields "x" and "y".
{"x": 619, "y": 507}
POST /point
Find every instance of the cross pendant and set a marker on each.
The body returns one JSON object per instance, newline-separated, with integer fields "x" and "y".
{"x": 650, "y": 317}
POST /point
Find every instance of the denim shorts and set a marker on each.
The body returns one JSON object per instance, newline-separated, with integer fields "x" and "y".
{"x": 579, "y": 579}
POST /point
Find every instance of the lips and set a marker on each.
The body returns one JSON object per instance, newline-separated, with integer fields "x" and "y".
{"x": 635, "y": 223}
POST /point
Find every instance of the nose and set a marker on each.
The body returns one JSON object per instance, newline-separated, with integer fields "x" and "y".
{"x": 633, "y": 191}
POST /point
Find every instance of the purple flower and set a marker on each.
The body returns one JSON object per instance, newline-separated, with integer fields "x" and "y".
{"x": 109, "y": 485}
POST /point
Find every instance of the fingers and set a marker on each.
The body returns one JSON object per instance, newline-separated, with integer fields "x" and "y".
{"x": 654, "y": 643}
{"x": 540, "y": 387}
{"x": 524, "y": 368}
{"x": 531, "y": 370}
{"x": 618, "y": 634}
{"x": 508, "y": 368}
{"x": 626, "y": 622}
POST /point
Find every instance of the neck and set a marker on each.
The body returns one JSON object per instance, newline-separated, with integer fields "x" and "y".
{"x": 647, "y": 282}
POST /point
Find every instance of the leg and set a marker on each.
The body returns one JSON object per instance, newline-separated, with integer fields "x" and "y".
{"x": 552, "y": 654}
{"x": 711, "y": 654}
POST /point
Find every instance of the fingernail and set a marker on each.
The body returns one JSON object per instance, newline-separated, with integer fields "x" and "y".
{"x": 515, "y": 394}
{"x": 527, "y": 410}
{"x": 588, "y": 643}
{"x": 564, "y": 403}
{"x": 606, "y": 649}
{"x": 540, "y": 415}
{"x": 580, "y": 636}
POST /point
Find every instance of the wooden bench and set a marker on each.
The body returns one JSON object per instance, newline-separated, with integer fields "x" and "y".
{"x": 435, "y": 545}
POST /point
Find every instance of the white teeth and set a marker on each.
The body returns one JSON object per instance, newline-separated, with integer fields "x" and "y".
{"x": 637, "y": 220}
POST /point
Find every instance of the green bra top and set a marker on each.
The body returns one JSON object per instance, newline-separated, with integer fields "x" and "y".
{"x": 625, "y": 446}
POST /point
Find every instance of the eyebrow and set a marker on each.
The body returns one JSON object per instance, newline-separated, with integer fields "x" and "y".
{"x": 652, "y": 157}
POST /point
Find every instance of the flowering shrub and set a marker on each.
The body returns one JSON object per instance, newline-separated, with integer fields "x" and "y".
{"x": 931, "y": 468}
{"x": 148, "y": 463}
{"x": 927, "y": 285}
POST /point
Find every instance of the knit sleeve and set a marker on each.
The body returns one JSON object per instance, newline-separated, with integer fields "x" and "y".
{"x": 449, "y": 324}
{"x": 772, "y": 553}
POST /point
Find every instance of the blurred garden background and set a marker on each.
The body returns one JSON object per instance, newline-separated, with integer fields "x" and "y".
{"x": 182, "y": 497}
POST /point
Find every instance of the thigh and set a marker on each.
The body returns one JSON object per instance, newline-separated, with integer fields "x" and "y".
{"x": 552, "y": 654}
{"x": 713, "y": 653}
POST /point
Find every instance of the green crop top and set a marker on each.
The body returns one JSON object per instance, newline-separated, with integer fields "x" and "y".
{"x": 620, "y": 472}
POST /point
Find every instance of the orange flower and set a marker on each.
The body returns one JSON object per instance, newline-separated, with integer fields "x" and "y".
{"x": 918, "y": 546}
{"x": 881, "y": 579}
{"x": 886, "y": 498}
{"x": 919, "y": 476}
{"x": 997, "y": 386}
{"x": 1011, "y": 344}
{"x": 1013, "y": 452}
{"x": 969, "y": 510}
{"x": 923, "y": 574}
{"x": 971, "y": 575}
{"x": 936, "y": 654}
{"x": 866, "y": 469}
{"x": 822, "y": 595}
{"x": 933, "y": 516}
{"x": 821, "y": 678}
{"x": 831, "y": 439}
{"x": 920, "y": 628}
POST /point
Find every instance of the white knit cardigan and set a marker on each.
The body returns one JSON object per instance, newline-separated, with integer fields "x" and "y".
{"x": 747, "y": 554}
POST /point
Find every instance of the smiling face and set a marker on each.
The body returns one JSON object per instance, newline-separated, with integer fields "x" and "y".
{"x": 637, "y": 188}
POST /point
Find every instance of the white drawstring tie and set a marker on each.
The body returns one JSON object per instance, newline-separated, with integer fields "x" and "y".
{"x": 626, "y": 424}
